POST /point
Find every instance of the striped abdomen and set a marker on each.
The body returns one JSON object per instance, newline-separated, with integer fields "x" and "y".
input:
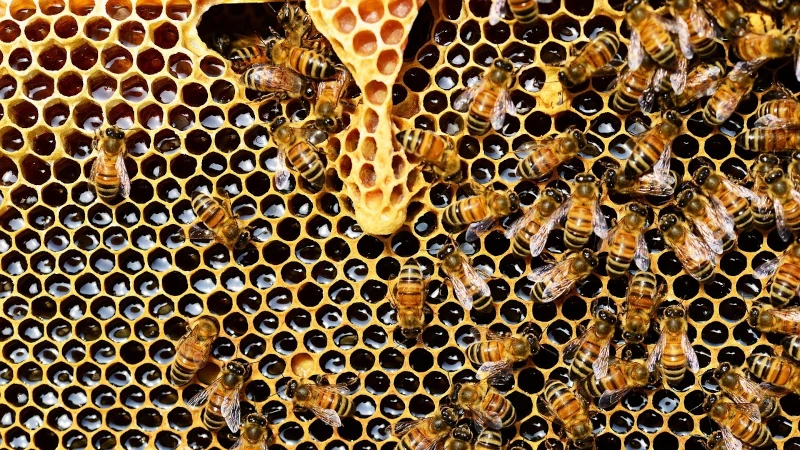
{"x": 209, "y": 211}
{"x": 695, "y": 264}
{"x": 768, "y": 140}
{"x": 784, "y": 284}
{"x": 562, "y": 401}
{"x": 310, "y": 64}
{"x": 419, "y": 438}
{"x": 480, "y": 302}
{"x": 480, "y": 111}
{"x": 186, "y": 364}
{"x": 645, "y": 153}
{"x": 106, "y": 181}
{"x": 306, "y": 161}
{"x": 771, "y": 369}
{"x": 242, "y": 58}
{"x": 630, "y": 89}
{"x": 613, "y": 381}
{"x": 482, "y": 352}
{"x": 703, "y": 46}
{"x": 578, "y": 227}
{"x": 539, "y": 163}
{"x": 212, "y": 413}
{"x": 466, "y": 211}
{"x": 585, "y": 356}
{"x": 763, "y": 211}
{"x": 525, "y": 11}
{"x": 521, "y": 244}
{"x": 673, "y": 360}
{"x": 620, "y": 253}
{"x": 722, "y": 104}
{"x": 494, "y": 402}
{"x": 423, "y": 144}
{"x": 791, "y": 347}
{"x": 598, "y": 53}
{"x": 751, "y": 433}
{"x": 657, "y": 42}
{"x": 791, "y": 210}
{"x": 737, "y": 207}
{"x": 410, "y": 290}
{"x": 334, "y": 401}
{"x": 787, "y": 109}
{"x": 489, "y": 440}
{"x": 641, "y": 294}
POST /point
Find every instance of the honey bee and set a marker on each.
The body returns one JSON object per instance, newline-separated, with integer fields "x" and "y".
{"x": 460, "y": 439}
{"x": 328, "y": 402}
{"x": 593, "y": 59}
{"x": 223, "y": 397}
{"x": 247, "y": 51}
{"x": 645, "y": 295}
{"x": 524, "y": 11}
{"x": 192, "y": 351}
{"x": 779, "y": 372}
{"x": 702, "y": 81}
{"x": 626, "y": 242}
{"x": 223, "y": 225}
{"x": 742, "y": 390}
{"x": 295, "y": 22}
{"x": 425, "y": 434}
{"x": 497, "y": 354}
{"x": 660, "y": 182}
{"x": 740, "y": 421}
{"x": 674, "y": 350}
{"x": 771, "y": 320}
{"x": 728, "y": 14}
{"x": 650, "y": 33}
{"x": 726, "y": 195}
{"x": 438, "y": 152}
{"x": 489, "y": 440}
{"x": 759, "y": 47}
{"x": 488, "y": 100}
{"x": 786, "y": 203}
{"x": 256, "y": 434}
{"x": 571, "y": 412}
{"x": 552, "y": 281}
{"x": 487, "y": 407}
{"x": 283, "y": 52}
{"x": 109, "y": 175}
{"x": 546, "y": 155}
{"x": 786, "y": 279}
{"x": 782, "y": 111}
{"x": 713, "y": 223}
{"x": 278, "y": 81}
{"x": 769, "y": 139}
{"x": 763, "y": 211}
{"x": 583, "y": 213}
{"x": 591, "y": 351}
{"x": 622, "y": 377}
{"x": 634, "y": 87}
{"x": 647, "y": 149}
{"x": 691, "y": 17}
{"x": 299, "y": 147}
{"x": 737, "y": 84}
{"x": 696, "y": 257}
{"x": 329, "y": 97}
{"x": 409, "y": 299}
{"x": 791, "y": 347}
{"x": 716, "y": 441}
{"x": 470, "y": 289}
{"x": 480, "y": 211}
{"x": 528, "y": 234}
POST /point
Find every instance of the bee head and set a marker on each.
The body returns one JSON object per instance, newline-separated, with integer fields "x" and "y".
{"x": 701, "y": 174}
{"x": 607, "y": 316}
{"x": 446, "y": 250}
{"x": 714, "y": 440}
{"x": 632, "y": 338}
{"x": 653, "y": 377}
{"x": 580, "y": 138}
{"x": 769, "y": 158}
{"x": 682, "y": 5}
{"x": 722, "y": 370}
{"x": 790, "y": 43}
{"x": 450, "y": 416}
{"x": 455, "y": 393}
{"x": 554, "y": 194}
{"x": 513, "y": 201}
{"x": 674, "y": 118}
{"x": 774, "y": 176}
{"x": 462, "y": 432}
{"x": 271, "y": 45}
{"x": 585, "y": 178}
{"x": 236, "y": 368}
{"x": 590, "y": 258}
{"x": 638, "y": 208}
{"x": 531, "y": 337}
{"x": 256, "y": 419}
{"x": 673, "y": 312}
{"x": 583, "y": 443}
{"x": 610, "y": 179}
{"x": 780, "y": 4}
{"x": 564, "y": 79}
{"x": 207, "y": 328}
{"x": 277, "y": 124}
{"x": 326, "y": 123}
{"x": 709, "y": 402}
{"x": 667, "y": 222}
{"x": 291, "y": 387}
{"x": 632, "y": 4}
{"x": 410, "y": 333}
{"x": 754, "y": 316}
{"x": 242, "y": 240}
{"x": 738, "y": 27}
{"x": 309, "y": 92}
{"x": 504, "y": 64}
{"x": 115, "y": 133}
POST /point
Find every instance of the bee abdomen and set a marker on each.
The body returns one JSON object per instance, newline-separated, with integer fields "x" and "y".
{"x": 180, "y": 376}
{"x": 525, "y": 11}
{"x": 582, "y": 365}
{"x": 311, "y": 64}
{"x": 308, "y": 163}
{"x": 784, "y": 285}
{"x": 489, "y": 440}
{"x": 481, "y": 352}
{"x": 242, "y": 58}
{"x": 478, "y": 122}
{"x": 212, "y": 420}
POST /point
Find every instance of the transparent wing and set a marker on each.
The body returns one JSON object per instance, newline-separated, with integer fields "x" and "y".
{"x": 461, "y": 293}
{"x": 542, "y": 273}
{"x": 487, "y": 419}
{"x": 769, "y": 120}
{"x": 328, "y": 416}
{"x": 678, "y": 77}
{"x": 780, "y": 222}
{"x": 520, "y": 223}
{"x": 695, "y": 249}
{"x": 599, "y": 221}
{"x": 656, "y": 184}
{"x": 502, "y": 105}
{"x": 575, "y": 344}
{"x": 766, "y": 269}
{"x": 95, "y": 169}
{"x": 124, "y": 180}
{"x": 655, "y": 354}
{"x": 642, "y": 255}
{"x": 718, "y": 213}
{"x": 691, "y": 356}
{"x": 648, "y": 99}
{"x": 600, "y": 365}
{"x": 404, "y": 427}
{"x": 312, "y": 135}
{"x": 682, "y": 30}
{"x": 203, "y": 395}
{"x": 497, "y": 11}
{"x": 539, "y": 239}
{"x": 739, "y": 190}
{"x": 475, "y": 279}
{"x": 635, "y": 51}
{"x": 611, "y": 398}
{"x": 750, "y": 387}
{"x": 750, "y": 410}
{"x": 701, "y": 23}
{"x": 731, "y": 443}
{"x": 196, "y": 232}
{"x": 559, "y": 284}
{"x": 265, "y": 443}
{"x": 475, "y": 230}
{"x": 714, "y": 242}
{"x": 231, "y": 410}
{"x": 797, "y": 64}
{"x": 462, "y": 102}
{"x": 661, "y": 167}
{"x": 492, "y": 369}
{"x": 282, "y": 173}
{"x": 788, "y": 314}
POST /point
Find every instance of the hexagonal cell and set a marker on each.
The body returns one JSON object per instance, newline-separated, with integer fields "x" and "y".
{"x": 117, "y": 59}
{"x": 37, "y": 30}
{"x": 97, "y": 28}
{"x": 131, "y": 34}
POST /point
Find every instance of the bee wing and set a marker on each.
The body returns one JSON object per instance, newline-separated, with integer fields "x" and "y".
{"x": 642, "y": 255}
{"x": 655, "y": 354}
{"x": 497, "y": 11}
{"x": 328, "y": 416}
{"x": 492, "y": 335}
{"x": 196, "y": 232}
{"x": 611, "y": 398}
{"x": 462, "y": 102}
{"x": 502, "y": 105}
{"x": 695, "y": 250}
{"x": 678, "y": 77}
{"x": 265, "y": 444}
{"x": 788, "y": 314}
{"x": 560, "y": 283}
{"x": 540, "y": 238}
{"x": 313, "y": 136}
{"x": 797, "y": 64}
{"x": 475, "y": 230}
{"x": 95, "y": 169}
{"x": 750, "y": 387}
{"x": 576, "y": 343}
{"x": 599, "y": 221}
{"x": 691, "y": 356}
{"x": 231, "y": 410}
{"x": 404, "y": 427}
{"x": 765, "y": 269}
{"x": 520, "y": 223}
{"x": 124, "y": 180}
{"x": 341, "y": 388}
{"x": 780, "y": 222}
{"x": 661, "y": 167}
{"x": 648, "y": 98}
{"x": 718, "y": 213}
{"x": 541, "y": 273}
{"x": 653, "y": 183}
{"x": 680, "y": 28}
{"x": 282, "y": 173}
{"x": 731, "y": 443}
{"x": 475, "y": 278}
{"x": 701, "y": 23}
{"x": 750, "y": 410}
{"x": 635, "y": 51}
{"x": 492, "y": 369}
{"x": 600, "y": 365}
{"x": 770, "y": 120}
{"x": 713, "y": 242}
{"x": 739, "y": 190}
{"x": 461, "y": 293}
{"x": 201, "y": 397}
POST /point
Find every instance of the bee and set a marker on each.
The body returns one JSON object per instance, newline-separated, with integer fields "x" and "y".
{"x": 552, "y": 281}
{"x": 247, "y": 51}
{"x": 460, "y": 439}
{"x": 524, "y": 11}
{"x": 791, "y": 347}
{"x": 425, "y": 434}
{"x": 743, "y": 390}
{"x": 328, "y": 402}
{"x": 583, "y": 213}
{"x": 409, "y": 299}
{"x": 737, "y": 84}
{"x": 769, "y": 139}
{"x": 626, "y": 242}
{"x": 771, "y": 320}
{"x": 256, "y": 434}
{"x": 500, "y": 351}
{"x": 223, "y": 225}
{"x": 109, "y": 175}
{"x": 763, "y": 211}
{"x": 593, "y": 59}
{"x": 592, "y": 350}
{"x": 488, "y": 408}
{"x": 634, "y": 87}
{"x": 786, "y": 279}
{"x": 299, "y": 146}
{"x": 691, "y": 17}
{"x": 571, "y": 412}
{"x": 782, "y": 111}
{"x": 279, "y": 81}
{"x": 713, "y": 223}
{"x": 438, "y": 152}
{"x": 647, "y": 149}
{"x": 470, "y": 289}
{"x": 223, "y": 397}
{"x": 283, "y": 52}
{"x": 759, "y": 47}
{"x": 660, "y": 182}
{"x": 738, "y": 421}
{"x": 702, "y": 81}
{"x": 622, "y": 377}
{"x": 726, "y": 195}
{"x": 650, "y": 33}
{"x": 489, "y": 440}
{"x": 295, "y": 22}
{"x": 488, "y": 100}
{"x": 329, "y": 97}
{"x": 696, "y": 257}
{"x": 645, "y": 295}
{"x": 546, "y": 155}
{"x": 480, "y": 211}
{"x": 674, "y": 350}
{"x": 192, "y": 351}
{"x": 528, "y": 234}
{"x": 779, "y": 372}
{"x": 728, "y": 14}
{"x": 786, "y": 203}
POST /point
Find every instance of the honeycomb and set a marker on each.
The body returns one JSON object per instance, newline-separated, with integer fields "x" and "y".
{"x": 95, "y": 296}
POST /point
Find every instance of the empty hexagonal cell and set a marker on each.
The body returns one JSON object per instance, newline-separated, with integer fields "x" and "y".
{"x": 20, "y": 59}
{"x": 119, "y": 9}
{"x": 365, "y": 43}
{"x": 179, "y": 65}
{"x": 56, "y": 114}
{"x": 121, "y": 115}
{"x": 97, "y": 28}
{"x": 84, "y": 56}
{"x": 24, "y": 114}
{"x": 164, "y": 90}
{"x": 66, "y": 27}
{"x": 179, "y": 9}
{"x": 151, "y": 116}
{"x": 70, "y": 84}
{"x": 166, "y": 35}
{"x": 88, "y": 116}
{"x": 22, "y": 9}
{"x": 149, "y": 9}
